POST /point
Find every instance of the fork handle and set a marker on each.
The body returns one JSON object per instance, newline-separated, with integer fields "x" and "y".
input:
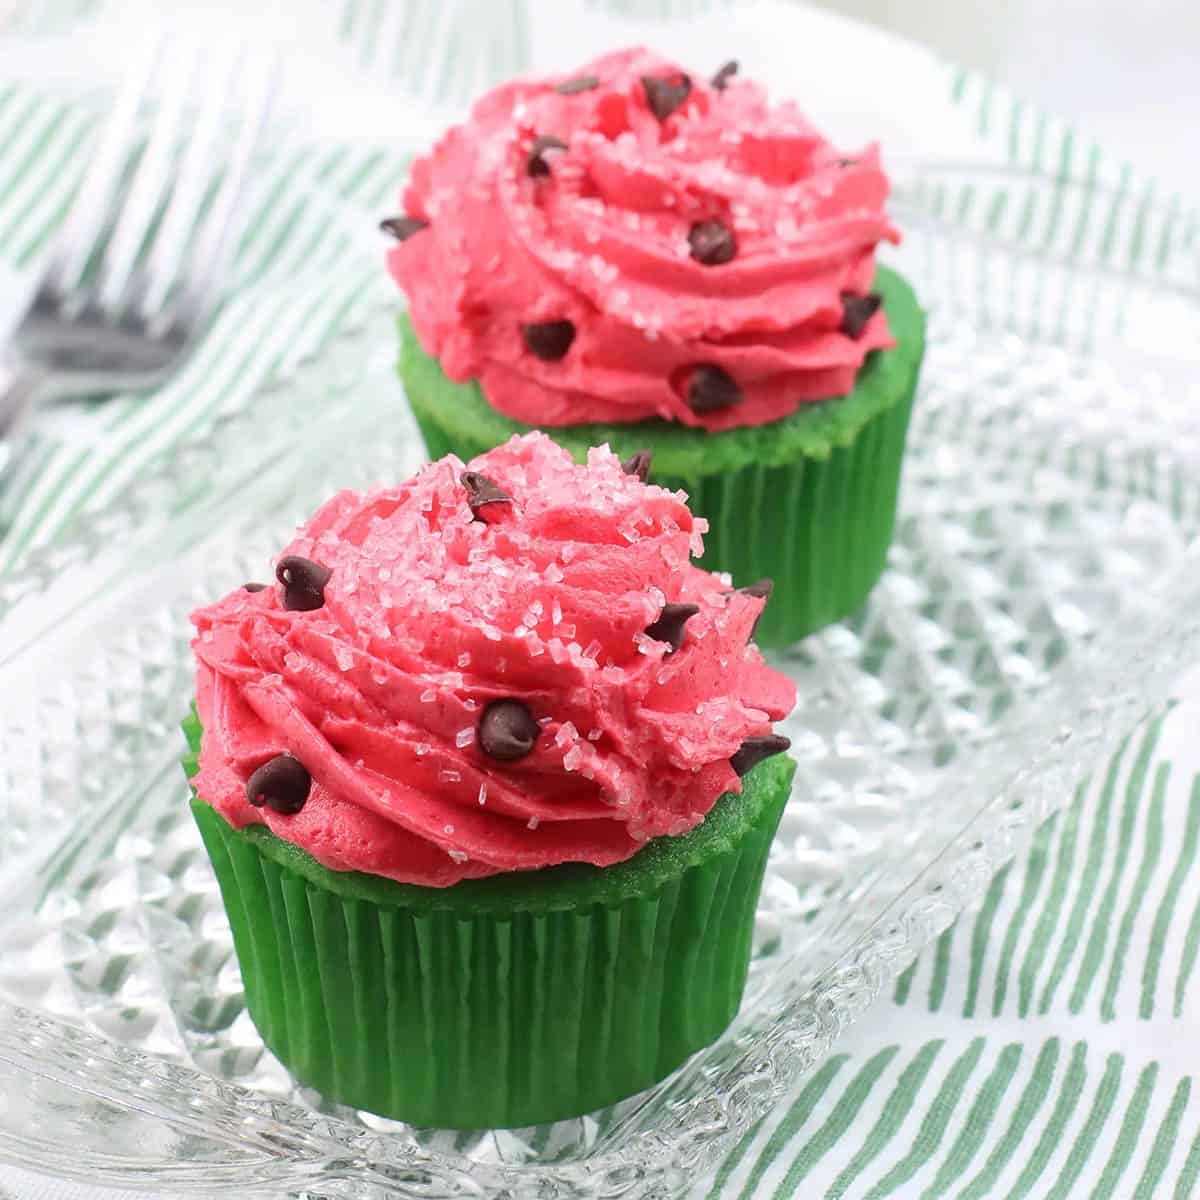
{"x": 20, "y": 384}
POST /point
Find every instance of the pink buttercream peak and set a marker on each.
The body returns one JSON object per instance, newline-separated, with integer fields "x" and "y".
{"x": 434, "y": 612}
{"x": 725, "y": 234}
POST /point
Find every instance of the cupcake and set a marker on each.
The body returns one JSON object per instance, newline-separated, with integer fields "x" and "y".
{"x": 631, "y": 255}
{"x": 488, "y": 779}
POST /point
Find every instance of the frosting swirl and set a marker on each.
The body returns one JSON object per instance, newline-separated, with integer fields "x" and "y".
{"x": 477, "y": 672}
{"x": 674, "y": 225}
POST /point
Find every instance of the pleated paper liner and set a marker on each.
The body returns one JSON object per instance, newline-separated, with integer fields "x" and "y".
{"x": 510, "y": 1001}
{"x": 809, "y": 500}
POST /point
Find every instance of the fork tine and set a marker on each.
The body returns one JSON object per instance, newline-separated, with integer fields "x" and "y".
{"x": 153, "y": 179}
{"x": 213, "y": 242}
{"x": 192, "y": 180}
{"x": 92, "y": 205}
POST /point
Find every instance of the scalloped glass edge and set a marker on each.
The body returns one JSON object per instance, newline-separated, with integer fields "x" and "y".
{"x": 271, "y": 1145}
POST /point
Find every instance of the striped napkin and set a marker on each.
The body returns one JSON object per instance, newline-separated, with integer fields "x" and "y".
{"x": 1041, "y": 1047}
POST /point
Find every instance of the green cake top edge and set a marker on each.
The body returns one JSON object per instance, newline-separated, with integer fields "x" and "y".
{"x": 813, "y": 431}
{"x": 572, "y": 885}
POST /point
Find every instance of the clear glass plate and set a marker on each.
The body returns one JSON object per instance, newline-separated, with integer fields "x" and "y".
{"x": 1040, "y": 601}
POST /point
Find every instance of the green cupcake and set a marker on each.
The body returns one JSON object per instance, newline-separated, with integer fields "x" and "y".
{"x": 636, "y": 257}
{"x": 488, "y": 782}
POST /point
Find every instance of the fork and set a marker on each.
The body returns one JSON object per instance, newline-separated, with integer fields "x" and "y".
{"x": 133, "y": 273}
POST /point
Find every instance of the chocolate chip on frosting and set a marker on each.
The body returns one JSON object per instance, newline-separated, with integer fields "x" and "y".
{"x": 282, "y": 785}
{"x": 253, "y": 587}
{"x": 482, "y": 491}
{"x": 581, "y": 83}
{"x": 402, "y": 228}
{"x": 753, "y": 750}
{"x": 724, "y": 75}
{"x": 712, "y": 243}
{"x": 638, "y": 464}
{"x": 857, "y": 311}
{"x": 665, "y": 93}
{"x": 303, "y": 583}
{"x": 670, "y": 624}
{"x": 538, "y": 164}
{"x": 712, "y": 389}
{"x": 548, "y": 340}
{"x": 760, "y": 590}
{"x": 507, "y": 730}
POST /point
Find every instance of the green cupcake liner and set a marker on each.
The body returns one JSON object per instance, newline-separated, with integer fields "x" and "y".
{"x": 501, "y": 1002}
{"x": 819, "y": 528}
{"x": 808, "y": 500}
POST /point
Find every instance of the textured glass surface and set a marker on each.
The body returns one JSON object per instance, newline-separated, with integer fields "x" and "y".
{"x": 1041, "y": 600}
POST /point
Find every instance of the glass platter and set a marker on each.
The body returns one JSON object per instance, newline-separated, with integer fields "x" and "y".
{"x": 1041, "y": 600}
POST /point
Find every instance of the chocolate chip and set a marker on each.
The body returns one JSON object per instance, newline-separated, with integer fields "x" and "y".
{"x": 847, "y": 162}
{"x": 507, "y": 730}
{"x": 638, "y": 464}
{"x": 670, "y": 624}
{"x": 538, "y": 164}
{"x": 712, "y": 243}
{"x": 581, "y": 83}
{"x": 712, "y": 389}
{"x": 760, "y": 590}
{"x": 665, "y": 93}
{"x": 303, "y": 583}
{"x": 402, "y": 228}
{"x": 282, "y": 785}
{"x": 481, "y": 491}
{"x": 549, "y": 340}
{"x": 857, "y": 311}
{"x": 724, "y": 75}
{"x": 253, "y": 587}
{"x": 753, "y": 750}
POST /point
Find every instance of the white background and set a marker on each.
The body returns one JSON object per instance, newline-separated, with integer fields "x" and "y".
{"x": 1126, "y": 72}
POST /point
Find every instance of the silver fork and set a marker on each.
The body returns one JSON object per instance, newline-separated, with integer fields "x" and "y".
{"x": 133, "y": 273}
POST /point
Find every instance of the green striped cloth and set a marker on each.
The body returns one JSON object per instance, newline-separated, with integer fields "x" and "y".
{"x": 1041, "y": 1047}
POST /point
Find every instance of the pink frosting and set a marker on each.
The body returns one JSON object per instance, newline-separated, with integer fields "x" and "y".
{"x": 429, "y": 614}
{"x": 601, "y": 239}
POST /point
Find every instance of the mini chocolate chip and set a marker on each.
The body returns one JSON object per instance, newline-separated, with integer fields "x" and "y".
{"x": 712, "y": 389}
{"x": 724, "y": 75}
{"x": 303, "y": 583}
{"x": 481, "y": 491}
{"x": 760, "y": 590}
{"x": 538, "y": 164}
{"x": 282, "y": 785}
{"x": 638, "y": 464}
{"x": 712, "y": 243}
{"x": 847, "y": 162}
{"x": 507, "y": 730}
{"x": 549, "y": 340}
{"x": 581, "y": 83}
{"x": 402, "y": 228}
{"x": 857, "y": 311}
{"x": 753, "y": 750}
{"x": 253, "y": 587}
{"x": 670, "y": 624}
{"x": 665, "y": 93}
